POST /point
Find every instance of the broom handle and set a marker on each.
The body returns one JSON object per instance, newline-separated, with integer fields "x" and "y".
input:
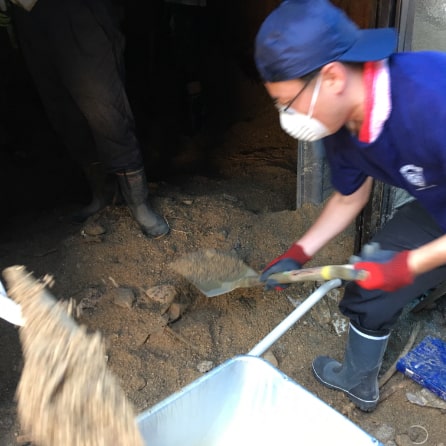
{"x": 292, "y": 318}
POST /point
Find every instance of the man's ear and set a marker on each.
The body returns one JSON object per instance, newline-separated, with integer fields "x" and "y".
{"x": 335, "y": 76}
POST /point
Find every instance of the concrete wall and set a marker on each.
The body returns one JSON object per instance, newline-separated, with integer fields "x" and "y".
{"x": 429, "y": 30}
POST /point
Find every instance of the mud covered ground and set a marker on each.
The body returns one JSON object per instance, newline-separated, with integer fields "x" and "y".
{"x": 161, "y": 333}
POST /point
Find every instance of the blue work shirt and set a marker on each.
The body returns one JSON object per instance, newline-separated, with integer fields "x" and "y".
{"x": 410, "y": 151}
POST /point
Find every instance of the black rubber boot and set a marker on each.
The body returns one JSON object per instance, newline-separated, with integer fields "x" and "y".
{"x": 357, "y": 377}
{"x": 134, "y": 190}
{"x": 103, "y": 189}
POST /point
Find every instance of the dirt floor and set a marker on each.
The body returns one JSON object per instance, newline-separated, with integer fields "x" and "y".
{"x": 160, "y": 331}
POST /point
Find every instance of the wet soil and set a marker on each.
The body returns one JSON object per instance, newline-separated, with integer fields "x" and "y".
{"x": 245, "y": 206}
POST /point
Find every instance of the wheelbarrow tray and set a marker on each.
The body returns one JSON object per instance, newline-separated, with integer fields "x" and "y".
{"x": 246, "y": 400}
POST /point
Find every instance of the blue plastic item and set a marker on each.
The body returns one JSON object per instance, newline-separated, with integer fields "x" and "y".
{"x": 426, "y": 365}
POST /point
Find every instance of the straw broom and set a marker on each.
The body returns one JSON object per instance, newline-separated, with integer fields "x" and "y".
{"x": 66, "y": 395}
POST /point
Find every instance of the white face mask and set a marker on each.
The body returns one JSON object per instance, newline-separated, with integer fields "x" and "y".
{"x": 304, "y": 127}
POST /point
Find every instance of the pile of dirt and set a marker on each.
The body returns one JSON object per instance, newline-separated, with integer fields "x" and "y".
{"x": 209, "y": 265}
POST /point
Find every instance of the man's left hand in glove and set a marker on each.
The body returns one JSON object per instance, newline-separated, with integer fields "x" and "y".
{"x": 292, "y": 259}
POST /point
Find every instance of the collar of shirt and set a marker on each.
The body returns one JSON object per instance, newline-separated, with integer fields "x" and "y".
{"x": 378, "y": 103}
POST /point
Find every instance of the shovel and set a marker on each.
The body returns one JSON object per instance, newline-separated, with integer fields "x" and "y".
{"x": 215, "y": 273}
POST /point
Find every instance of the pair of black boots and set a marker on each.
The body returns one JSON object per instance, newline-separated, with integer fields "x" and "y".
{"x": 134, "y": 191}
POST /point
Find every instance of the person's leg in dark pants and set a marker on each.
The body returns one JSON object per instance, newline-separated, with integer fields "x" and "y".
{"x": 410, "y": 228}
{"x": 373, "y": 313}
{"x": 85, "y": 47}
{"x": 63, "y": 113}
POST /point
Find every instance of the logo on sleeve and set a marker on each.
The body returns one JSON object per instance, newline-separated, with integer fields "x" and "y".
{"x": 415, "y": 176}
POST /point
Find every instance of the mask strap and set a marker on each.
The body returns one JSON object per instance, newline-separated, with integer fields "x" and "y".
{"x": 314, "y": 96}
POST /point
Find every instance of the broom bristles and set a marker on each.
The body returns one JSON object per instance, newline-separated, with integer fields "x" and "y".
{"x": 66, "y": 394}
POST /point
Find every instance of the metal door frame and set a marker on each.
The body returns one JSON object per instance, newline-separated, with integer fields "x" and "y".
{"x": 404, "y": 22}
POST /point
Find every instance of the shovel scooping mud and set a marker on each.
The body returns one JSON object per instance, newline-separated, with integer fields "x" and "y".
{"x": 215, "y": 273}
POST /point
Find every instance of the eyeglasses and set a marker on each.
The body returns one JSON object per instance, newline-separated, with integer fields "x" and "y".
{"x": 284, "y": 108}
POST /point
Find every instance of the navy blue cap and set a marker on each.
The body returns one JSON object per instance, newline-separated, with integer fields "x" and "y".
{"x": 300, "y": 36}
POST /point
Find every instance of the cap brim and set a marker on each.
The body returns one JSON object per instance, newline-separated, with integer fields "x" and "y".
{"x": 372, "y": 44}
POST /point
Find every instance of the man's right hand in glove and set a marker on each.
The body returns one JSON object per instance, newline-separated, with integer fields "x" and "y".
{"x": 290, "y": 260}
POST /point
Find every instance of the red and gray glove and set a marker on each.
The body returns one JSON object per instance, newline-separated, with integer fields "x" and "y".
{"x": 290, "y": 260}
{"x": 387, "y": 270}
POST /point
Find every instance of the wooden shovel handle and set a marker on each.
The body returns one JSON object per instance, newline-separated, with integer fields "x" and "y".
{"x": 328, "y": 272}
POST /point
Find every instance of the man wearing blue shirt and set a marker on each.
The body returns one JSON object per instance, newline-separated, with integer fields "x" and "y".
{"x": 381, "y": 116}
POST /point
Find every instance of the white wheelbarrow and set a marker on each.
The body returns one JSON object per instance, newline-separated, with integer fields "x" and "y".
{"x": 247, "y": 401}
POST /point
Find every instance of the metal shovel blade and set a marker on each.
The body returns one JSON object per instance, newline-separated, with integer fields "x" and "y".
{"x": 215, "y": 273}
